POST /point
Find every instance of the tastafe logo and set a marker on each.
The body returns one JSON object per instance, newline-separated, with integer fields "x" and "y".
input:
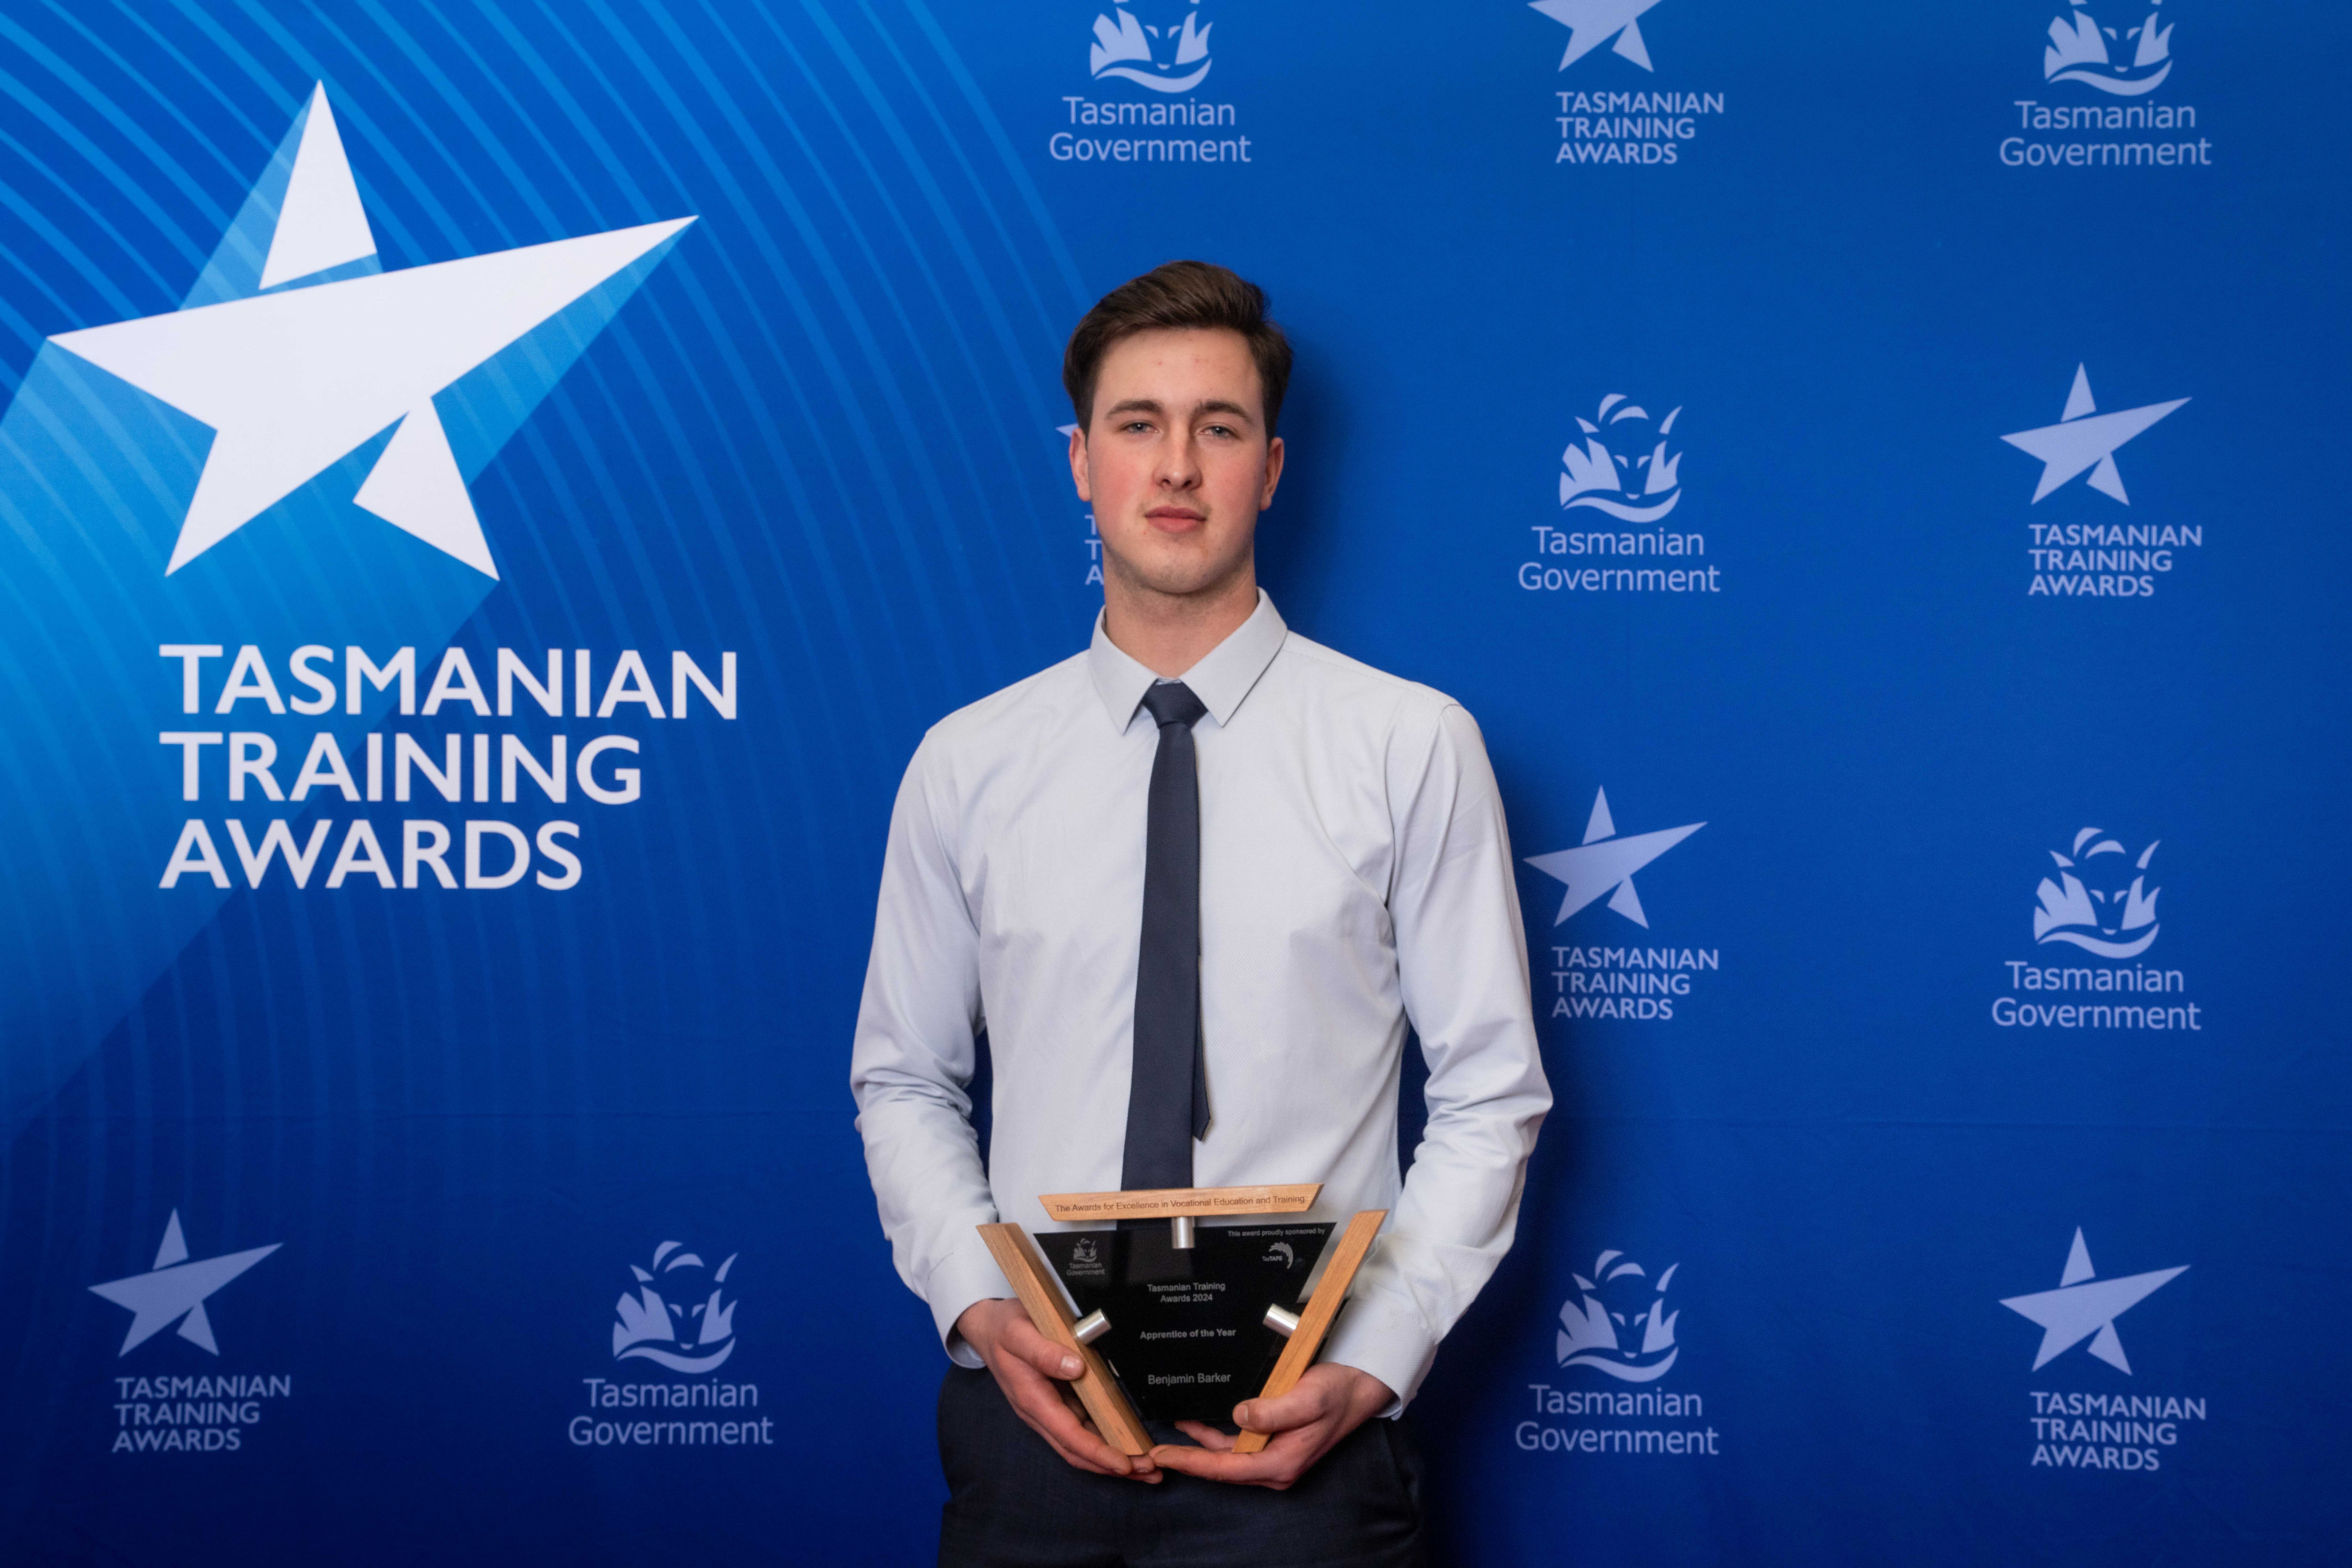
{"x": 2081, "y": 50}
{"x": 1632, "y": 489}
{"x": 1596, "y": 1330}
{"x": 1164, "y": 55}
{"x": 2091, "y": 906}
{"x": 703, "y": 1336}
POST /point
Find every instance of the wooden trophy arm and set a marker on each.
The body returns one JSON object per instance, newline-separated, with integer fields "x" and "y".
{"x": 1024, "y": 1269}
{"x": 1316, "y": 1321}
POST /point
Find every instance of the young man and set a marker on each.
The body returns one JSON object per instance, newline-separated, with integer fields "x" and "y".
{"x": 1195, "y": 884}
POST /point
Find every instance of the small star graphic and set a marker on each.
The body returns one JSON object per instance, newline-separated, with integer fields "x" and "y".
{"x": 2085, "y": 439}
{"x": 1605, "y": 864}
{"x": 2083, "y": 1307}
{"x": 175, "y": 1290}
{"x": 1592, "y": 22}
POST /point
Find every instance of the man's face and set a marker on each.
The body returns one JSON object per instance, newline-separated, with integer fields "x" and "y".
{"x": 1176, "y": 461}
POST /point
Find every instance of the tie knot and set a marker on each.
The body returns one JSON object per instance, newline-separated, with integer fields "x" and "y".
{"x": 1172, "y": 702}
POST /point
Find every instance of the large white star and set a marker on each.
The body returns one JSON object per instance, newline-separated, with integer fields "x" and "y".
{"x": 175, "y": 1289}
{"x": 294, "y": 379}
{"x": 1605, "y": 862}
{"x": 2083, "y": 1307}
{"x": 2083, "y": 439}
{"x": 1592, "y": 22}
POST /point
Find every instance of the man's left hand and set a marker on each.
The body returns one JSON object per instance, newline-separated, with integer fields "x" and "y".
{"x": 1329, "y": 1402}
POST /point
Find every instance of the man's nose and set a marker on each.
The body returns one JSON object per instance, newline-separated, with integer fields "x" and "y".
{"x": 1179, "y": 466}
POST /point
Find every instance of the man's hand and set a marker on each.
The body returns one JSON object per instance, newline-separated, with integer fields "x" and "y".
{"x": 1329, "y": 1402}
{"x": 1031, "y": 1371}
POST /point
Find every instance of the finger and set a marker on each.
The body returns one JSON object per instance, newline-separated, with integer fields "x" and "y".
{"x": 1278, "y": 1464}
{"x": 1048, "y": 1409}
{"x": 1022, "y": 1338}
{"x": 1208, "y": 1437}
{"x": 1303, "y": 1406}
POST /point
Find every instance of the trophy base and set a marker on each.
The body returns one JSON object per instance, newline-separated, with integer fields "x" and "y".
{"x": 1188, "y": 1340}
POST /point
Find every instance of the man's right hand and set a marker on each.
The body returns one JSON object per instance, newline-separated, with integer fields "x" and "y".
{"x": 1034, "y": 1370}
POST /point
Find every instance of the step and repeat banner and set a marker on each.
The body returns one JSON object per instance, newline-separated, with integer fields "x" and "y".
{"x": 493, "y": 493}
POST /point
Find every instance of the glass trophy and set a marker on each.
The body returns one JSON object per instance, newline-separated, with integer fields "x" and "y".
{"x": 1183, "y": 1320}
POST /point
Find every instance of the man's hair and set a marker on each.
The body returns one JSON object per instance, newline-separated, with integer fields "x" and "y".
{"x": 1180, "y": 294}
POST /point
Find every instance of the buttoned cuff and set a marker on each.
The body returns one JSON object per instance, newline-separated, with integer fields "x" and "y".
{"x": 965, "y": 1275}
{"x": 1384, "y": 1336}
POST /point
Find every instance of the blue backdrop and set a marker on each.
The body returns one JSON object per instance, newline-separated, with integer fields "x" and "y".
{"x": 1865, "y": 468}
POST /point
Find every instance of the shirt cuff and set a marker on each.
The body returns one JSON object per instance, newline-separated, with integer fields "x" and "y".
{"x": 965, "y": 1275}
{"x": 1385, "y": 1337}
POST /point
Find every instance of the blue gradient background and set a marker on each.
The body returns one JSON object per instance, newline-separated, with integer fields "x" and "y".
{"x": 820, "y": 434}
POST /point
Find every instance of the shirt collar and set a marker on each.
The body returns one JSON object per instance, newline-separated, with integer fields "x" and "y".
{"x": 1220, "y": 680}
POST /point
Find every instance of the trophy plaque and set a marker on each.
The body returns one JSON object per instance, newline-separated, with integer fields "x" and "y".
{"x": 1183, "y": 1322}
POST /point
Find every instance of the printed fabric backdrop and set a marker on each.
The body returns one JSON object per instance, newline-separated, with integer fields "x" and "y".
{"x": 495, "y": 490}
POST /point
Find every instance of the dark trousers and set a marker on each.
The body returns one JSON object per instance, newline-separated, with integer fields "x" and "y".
{"x": 1012, "y": 1500}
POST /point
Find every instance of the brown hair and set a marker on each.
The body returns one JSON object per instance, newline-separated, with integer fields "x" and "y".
{"x": 1180, "y": 294}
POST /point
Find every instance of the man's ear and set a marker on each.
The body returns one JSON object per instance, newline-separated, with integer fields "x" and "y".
{"x": 1273, "y": 473}
{"x": 1078, "y": 463}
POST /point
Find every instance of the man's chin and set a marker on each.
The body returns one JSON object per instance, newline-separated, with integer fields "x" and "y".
{"x": 1183, "y": 579}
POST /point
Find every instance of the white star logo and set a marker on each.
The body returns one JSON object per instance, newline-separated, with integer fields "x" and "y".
{"x": 1592, "y": 22}
{"x": 296, "y": 376}
{"x": 175, "y": 1290}
{"x": 2085, "y": 439}
{"x": 2083, "y": 1307}
{"x": 1605, "y": 862}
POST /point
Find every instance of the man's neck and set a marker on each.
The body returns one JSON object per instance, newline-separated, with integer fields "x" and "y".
{"x": 1169, "y": 634}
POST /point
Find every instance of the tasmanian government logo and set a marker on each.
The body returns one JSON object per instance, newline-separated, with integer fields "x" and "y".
{"x": 2100, "y": 903}
{"x": 1620, "y": 1325}
{"x": 1173, "y": 58}
{"x": 2114, "y": 922}
{"x": 2082, "y": 50}
{"x": 679, "y": 1316}
{"x": 1612, "y": 121}
{"x": 2100, "y": 1429}
{"x": 321, "y": 351}
{"x": 1160, "y": 48}
{"x": 1604, "y": 979}
{"x": 2111, "y": 68}
{"x": 2082, "y": 554}
{"x": 685, "y": 1333}
{"x": 1595, "y": 1332}
{"x": 209, "y": 1412}
{"x": 1623, "y": 468}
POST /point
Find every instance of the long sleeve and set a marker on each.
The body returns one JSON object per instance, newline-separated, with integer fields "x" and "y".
{"x": 913, "y": 1060}
{"x": 1463, "y": 970}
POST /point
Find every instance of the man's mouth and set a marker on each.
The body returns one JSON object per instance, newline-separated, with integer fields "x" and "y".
{"x": 1174, "y": 519}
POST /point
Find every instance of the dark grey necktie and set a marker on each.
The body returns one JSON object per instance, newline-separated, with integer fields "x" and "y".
{"x": 1168, "y": 1097}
